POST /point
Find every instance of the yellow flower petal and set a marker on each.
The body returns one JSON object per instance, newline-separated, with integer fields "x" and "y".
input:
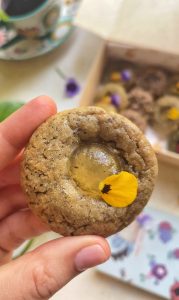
{"x": 173, "y": 114}
{"x": 3, "y": 16}
{"x": 115, "y": 76}
{"x": 119, "y": 190}
{"x": 106, "y": 100}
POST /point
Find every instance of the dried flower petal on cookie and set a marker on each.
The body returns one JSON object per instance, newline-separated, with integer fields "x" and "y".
{"x": 115, "y": 100}
{"x": 126, "y": 75}
{"x": 105, "y": 100}
{"x": 173, "y": 114}
{"x": 115, "y": 76}
{"x": 119, "y": 190}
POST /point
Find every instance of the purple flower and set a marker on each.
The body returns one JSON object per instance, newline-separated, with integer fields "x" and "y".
{"x": 126, "y": 75}
{"x": 72, "y": 88}
{"x": 159, "y": 271}
{"x": 115, "y": 100}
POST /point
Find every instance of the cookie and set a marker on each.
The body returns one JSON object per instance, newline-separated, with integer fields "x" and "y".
{"x": 141, "y": 101}
{"x": 173, "y": 143}
{"x": 153, "y": 80}
{"x": 68, "y": 160}
{"x": 112, "y": 93}
{"x": 166, "y": 113}
{"x": 173, "y": 87}
{"x": 136, "y": 118}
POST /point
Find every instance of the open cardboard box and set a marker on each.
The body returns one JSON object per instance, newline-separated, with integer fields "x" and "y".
{"x": 144, "y": 32}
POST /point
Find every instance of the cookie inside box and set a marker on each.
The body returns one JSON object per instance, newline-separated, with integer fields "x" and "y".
{"x": 147, "y": 95}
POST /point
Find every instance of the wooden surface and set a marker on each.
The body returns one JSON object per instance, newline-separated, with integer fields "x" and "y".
{"x": 93, "y": 285}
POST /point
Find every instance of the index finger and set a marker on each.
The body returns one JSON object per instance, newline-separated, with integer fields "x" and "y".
{"x": 16, "y": 130}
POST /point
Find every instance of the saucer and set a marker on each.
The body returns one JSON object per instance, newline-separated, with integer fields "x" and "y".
{"x": 15, "y": 47}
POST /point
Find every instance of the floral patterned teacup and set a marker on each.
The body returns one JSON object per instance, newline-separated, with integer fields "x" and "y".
{"x": 38, "y": 22}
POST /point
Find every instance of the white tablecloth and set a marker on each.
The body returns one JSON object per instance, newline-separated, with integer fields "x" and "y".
{"x": 25, "y": 80}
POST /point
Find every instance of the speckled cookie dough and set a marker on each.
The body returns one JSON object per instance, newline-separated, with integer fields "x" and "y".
{"x": 173, "y": 87}
{"x": 113, "y": 93}
{"x": 136, "y": 118}
{"x": 153, "y": 80}
{"x": 166, "y": 113}
{"x": 141, "y": 101}
{"x": 69, "y": 155}
{"x": 173, "y": 142}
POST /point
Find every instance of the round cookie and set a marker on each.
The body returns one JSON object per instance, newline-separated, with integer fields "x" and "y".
{"x": 115, "y": 94}
{"x": 173, "y": 87}
{"x": 173, "y": 142}
{"x": 69, "y": 155}
{"x": 141, "y": 101}
{"x": 136, "y": 118}
{"x": 153, "y": 80}
{"x": 166, "y": 113}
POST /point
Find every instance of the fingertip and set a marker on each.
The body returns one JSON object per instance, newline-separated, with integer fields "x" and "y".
{"x": 105, "y": 245}
{"x": 93, "y": 254}
{"x": 45, "y": 103}
{"x": 18, "y": 127}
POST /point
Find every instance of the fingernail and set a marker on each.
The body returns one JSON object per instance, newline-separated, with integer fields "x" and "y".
{"x": 89, "y": 257}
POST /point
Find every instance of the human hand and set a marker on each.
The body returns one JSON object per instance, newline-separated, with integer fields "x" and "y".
{"x": 42, "y": 272}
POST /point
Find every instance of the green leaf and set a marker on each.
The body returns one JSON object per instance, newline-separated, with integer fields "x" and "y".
{"x": 3, "y": 16}
{"x": 7, "y": 108}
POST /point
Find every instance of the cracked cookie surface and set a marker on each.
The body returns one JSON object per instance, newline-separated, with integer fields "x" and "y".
{"x": 64, "y": 159}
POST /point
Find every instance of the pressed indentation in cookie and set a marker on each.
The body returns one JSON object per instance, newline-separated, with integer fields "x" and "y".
{"x": 91, "y": 164}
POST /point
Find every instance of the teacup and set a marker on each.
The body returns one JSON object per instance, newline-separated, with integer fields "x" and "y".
{"x": 38, "y": 22}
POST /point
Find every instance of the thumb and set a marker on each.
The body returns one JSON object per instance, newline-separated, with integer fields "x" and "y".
{"x": 42, "y": 272}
